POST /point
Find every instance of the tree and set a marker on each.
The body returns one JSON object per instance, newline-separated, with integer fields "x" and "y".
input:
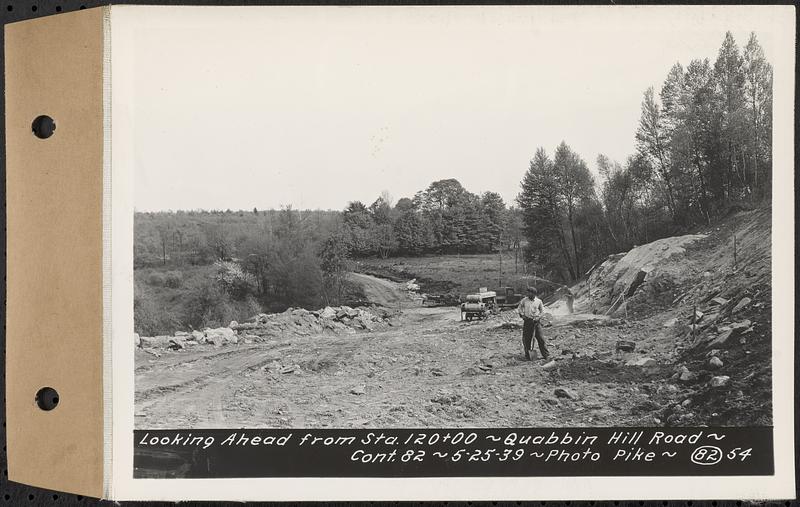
{"x": 494, "y": 214}
{"x": 359, "y": 225}
{"x": 386, "y": 196}
{"x": 452, "y": 213}
{"x": 218, "y": 239}
{"x": 385, "y": 239}
{"x": 288, "y": 222}
{"x": 439, "y": 195}
{"x": 652, "y": 142}
{"x": 412, "y": 232}
{"x": 729, "y": 79}
{"x": 624, "y": 197}
{"x": 576, "y": 187}
{"x": 335, "y": 264}
{"x": 539, "y": 202}
{"x": 554, "y": 201}
{"x": 381, "y": 211}
{"x": 758, "y": 98}
{"x": 404, "y": 204}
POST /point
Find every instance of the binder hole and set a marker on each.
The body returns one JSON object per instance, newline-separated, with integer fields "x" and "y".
{"x": 58, "y": 8}
{"x": 47, "y": 398}
{"x": 34, "y": 8}
{"x": 43, "y": 127}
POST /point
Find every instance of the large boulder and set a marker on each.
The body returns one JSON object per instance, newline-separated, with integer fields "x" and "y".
{"x": 177, "y": 343}
{"x": 642, "y": 362}
{"x": 327, "y": 313}
{"x": 562, "y": 392}
{"x": 727, "y": 333}
{"x": 221, "y": 336}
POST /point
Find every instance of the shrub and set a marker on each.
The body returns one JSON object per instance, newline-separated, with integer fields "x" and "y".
{"x": 173, "y": 279}
{"x": 150, "y": 319}
{"x": 156, "y": 279}
{"x": 234, "y": 280}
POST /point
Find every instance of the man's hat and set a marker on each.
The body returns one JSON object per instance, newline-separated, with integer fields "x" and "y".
{"x": 532, "y": 290}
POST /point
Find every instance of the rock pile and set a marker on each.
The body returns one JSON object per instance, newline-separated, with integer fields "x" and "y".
{"x": 412, "y": 285}
{"x": 302, "y": 322}
{"x": 294, "y": 321}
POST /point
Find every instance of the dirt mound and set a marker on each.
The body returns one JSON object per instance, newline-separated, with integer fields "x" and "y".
{"x": 292, "y": 322}
{"x": 620, "y": 276}
{"x": 382, "y": 292}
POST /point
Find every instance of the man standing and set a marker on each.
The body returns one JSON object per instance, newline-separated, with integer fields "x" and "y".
{"x": 531, "y": 310}
{"x": 570, "y": 299}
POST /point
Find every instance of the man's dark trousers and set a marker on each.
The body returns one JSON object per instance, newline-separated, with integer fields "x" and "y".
{"x": 530, "y": 328}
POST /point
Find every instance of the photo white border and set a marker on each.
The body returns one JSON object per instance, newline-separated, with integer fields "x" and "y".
{"x": 123, "y": 21}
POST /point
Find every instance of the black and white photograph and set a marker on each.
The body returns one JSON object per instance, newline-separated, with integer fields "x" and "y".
{"x": 429, "y": 220}
{"x": 402, "y": 252}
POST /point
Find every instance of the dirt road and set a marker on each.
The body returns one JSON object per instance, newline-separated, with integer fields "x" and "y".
{"x": 380, "y": 291}
{"x": 429, "y": 369}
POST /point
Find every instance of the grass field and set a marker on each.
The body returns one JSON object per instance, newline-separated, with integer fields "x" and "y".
{"x": 462, "y": 274}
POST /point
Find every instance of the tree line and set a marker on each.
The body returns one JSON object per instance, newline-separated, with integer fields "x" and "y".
{"x": 444, "y": 218}
{"x": 205, "y": 268}
{"x": 703, "y": 146}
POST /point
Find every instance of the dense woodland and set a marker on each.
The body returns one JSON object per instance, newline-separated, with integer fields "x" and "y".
{"x": 703, "y": 146}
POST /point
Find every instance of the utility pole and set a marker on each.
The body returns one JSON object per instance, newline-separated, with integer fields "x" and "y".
{"x": 500, "y": 253}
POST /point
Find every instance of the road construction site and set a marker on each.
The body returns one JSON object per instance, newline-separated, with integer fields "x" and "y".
{"x": 672, "y": 333}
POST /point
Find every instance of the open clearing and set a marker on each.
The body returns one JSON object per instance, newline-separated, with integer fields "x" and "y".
{"x": 429, "y": 369}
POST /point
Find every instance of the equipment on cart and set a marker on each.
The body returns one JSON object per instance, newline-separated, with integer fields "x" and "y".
{"x": 480, "y": 305}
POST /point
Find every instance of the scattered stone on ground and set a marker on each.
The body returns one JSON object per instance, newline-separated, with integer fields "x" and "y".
{"x": 626, "y": 346}
{"x": 561, "y": 392}
{"x": 549, "y": 365}
{"x": 720, "y": 381}
{"x": 642, "y": 361}
{"x": 671, "y": 322}
{"x": 741, "y": 304}
{"x": 294, "y": 321}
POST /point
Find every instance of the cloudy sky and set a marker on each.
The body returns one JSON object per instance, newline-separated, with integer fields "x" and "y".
{"x": 314, "y": 107}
